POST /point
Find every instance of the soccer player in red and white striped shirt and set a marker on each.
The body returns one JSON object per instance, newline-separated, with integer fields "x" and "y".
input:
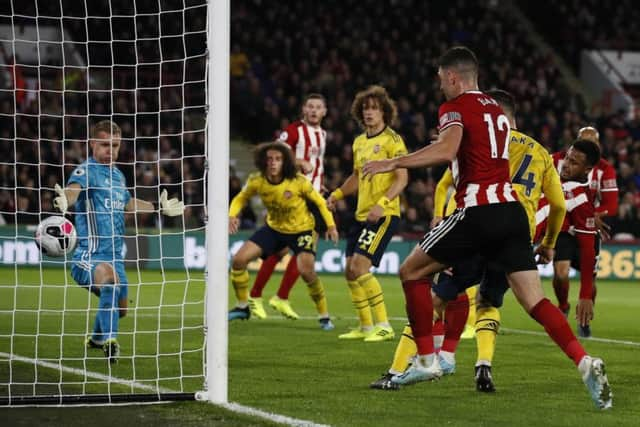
{"x": 307, "y": 139}
{"x": 601, "y": 181}
{"x": 489, "y": 221}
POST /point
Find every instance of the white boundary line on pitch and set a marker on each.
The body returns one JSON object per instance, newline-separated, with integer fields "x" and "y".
{"x": 401, "y": 319}
{"x": 84, "y": 373}
{"x": 596, "y": 339}
{"x": 231, "y": 406}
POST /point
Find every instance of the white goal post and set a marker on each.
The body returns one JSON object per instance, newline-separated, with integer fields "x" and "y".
{"x": 160, "y": 70}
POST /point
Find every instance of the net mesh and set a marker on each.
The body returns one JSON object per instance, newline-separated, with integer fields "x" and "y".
{"x": 65, "y": 65}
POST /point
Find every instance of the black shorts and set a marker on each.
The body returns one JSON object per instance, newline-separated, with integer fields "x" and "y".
{"x": 272, "y": 241}
{"x": 371, "y": 239}
{"x": 321, "y": 226}
{"x": 493, "y": 282}
{"x": 458, "y": 278}
{"x": 567, "y": 250}
{"x": 498, "y": 232}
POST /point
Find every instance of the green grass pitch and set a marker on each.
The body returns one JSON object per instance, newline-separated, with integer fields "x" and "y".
{"x": 295, "y": 369}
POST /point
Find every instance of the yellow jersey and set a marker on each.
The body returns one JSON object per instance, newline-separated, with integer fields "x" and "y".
{"x": 532, "y": 175}
{"x": 286, "y": 203}
{"x": 385, "y": 145}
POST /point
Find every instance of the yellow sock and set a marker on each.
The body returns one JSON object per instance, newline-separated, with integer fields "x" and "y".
{"x": 374, "y": 294}
{"x": 487, "y": 326}
{"x": 240, "y": 282}
{"x": 360, "y": 303}
{"x": 405, "y": 350}
{"x": 316, "y": 292}
{"x": 471, "y": 293}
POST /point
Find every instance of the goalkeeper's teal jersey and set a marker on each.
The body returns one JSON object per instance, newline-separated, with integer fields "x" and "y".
{"x": 99, "y": 217}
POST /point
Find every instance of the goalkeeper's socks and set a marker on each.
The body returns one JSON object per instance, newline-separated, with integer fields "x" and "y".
{"x": 372, "y": 287}
{"x": 240, "y": 282}
{"x": 96, "y": 335}
{"x": 291, "y": 274}
{"x": 361, "y": 304}
{"x": 558, "y": 329}
{"x": 487, "y": 327}
{"x": 264, "y": 274}
{"x": 455, "y": 317}
{"x": 109, "y": 310}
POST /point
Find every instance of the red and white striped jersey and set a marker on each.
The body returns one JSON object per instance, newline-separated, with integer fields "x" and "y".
{"x": 308, "y": 143}
{"x": 580, "y": 217}
{"x": 579, "y": 200}
{"x": 602, "y": 180}
{"x": 481, "y": 167}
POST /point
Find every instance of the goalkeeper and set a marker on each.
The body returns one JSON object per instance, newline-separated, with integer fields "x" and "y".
{"x": 290, "y": 223}
{"x": 98, "y": 190}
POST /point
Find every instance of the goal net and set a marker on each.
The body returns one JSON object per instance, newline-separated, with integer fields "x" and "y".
{"x": 64, "y": 66}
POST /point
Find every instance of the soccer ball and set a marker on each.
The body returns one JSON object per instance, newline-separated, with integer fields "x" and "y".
{"x": 56, "y": 236}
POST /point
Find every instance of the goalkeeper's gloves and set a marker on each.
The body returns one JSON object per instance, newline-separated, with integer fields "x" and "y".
{"x": 170, "y": 207}
{"x": 60, "y": 201}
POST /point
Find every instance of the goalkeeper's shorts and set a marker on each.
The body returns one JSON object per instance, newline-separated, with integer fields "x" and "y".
{"x": 82, "y": 272}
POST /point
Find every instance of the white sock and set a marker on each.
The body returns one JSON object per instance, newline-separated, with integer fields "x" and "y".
{"x": 448, "y": 357}
{"x": 584, "y": 365}
{"x": 426, "y": 360}
{"x": 483, "y": 363}
{"x": 437, "y": 341}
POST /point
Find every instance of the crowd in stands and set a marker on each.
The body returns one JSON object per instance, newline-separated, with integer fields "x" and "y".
{"x": 280, "y": 53}
{"x": 338, "y": 49}
{"x": 574, "y": 25}
{"x": 154, "y": 92}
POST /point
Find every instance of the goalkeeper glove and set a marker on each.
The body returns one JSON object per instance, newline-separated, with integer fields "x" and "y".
{"x": 170, "y": 207}
{"x": 60, "y": 202}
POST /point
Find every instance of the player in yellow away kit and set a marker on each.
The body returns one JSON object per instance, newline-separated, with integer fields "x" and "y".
{"x": 377, "y": 212}
{"x": 284, "y": 192}
{"x": 532, "y": 174}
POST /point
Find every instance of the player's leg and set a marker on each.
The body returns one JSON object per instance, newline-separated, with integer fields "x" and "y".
{"x": 82, "y": 273}
{"x": 306, "y": 266}
{"x": 470, "y": 327}
{"x": 240, "y": 278}
{"x": 489, "y": 298}
{"x": 415, "y": 273}
{"x": 515, "y": 255}
{"x": 369, "y": 250}
{"x": 564, "y": 252}
{"x": 267, "y": 267}
{"x": 359, "y": 270}
{"x": 404, "y": 353}
{"x": 291, "y": 273}
{"x": 106, "y": 279}
{"x": 280, "y": 301}
{"x": 357, "y": 293}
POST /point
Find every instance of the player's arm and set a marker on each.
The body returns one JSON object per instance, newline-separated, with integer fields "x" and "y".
{"x": 581, "y": 215}
{"x": 587, "y": 251}
{"x": 440, "y": 196}
{"x": 608, "y": 193}
{"x": 239, "y": 202}
{"x": 315, "y": 197}
{"x": 66, "y": 197}
{"x": 552, "y": 189}
{"x": 348, "y": 187}
{"x": 442, "y": 151}
{"x": 401, "y": 178}
{"x": 608, "y": 201}
{"x": 168, "y": 207}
